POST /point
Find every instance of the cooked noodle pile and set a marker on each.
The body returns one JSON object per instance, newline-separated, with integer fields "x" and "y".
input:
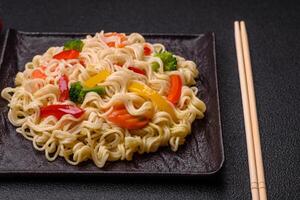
{"x": 134, "y": 113}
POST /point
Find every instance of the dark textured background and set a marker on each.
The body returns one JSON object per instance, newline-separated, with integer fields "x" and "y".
{"x": 273, "y": 30}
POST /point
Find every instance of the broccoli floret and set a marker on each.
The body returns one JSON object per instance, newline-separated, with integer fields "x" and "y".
{"x": 155, "y": 66}
{"x": 168, "y": 59}
{"x": 73, "y": 44}
{"x": 78, "y": 92}
{"x": 75, "y": 90}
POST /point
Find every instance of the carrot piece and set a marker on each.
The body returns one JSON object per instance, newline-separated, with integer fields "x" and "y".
{"x": 122, "y": 37}
{"x": 37, "y": 73}
{"x": 121, "y": 45}
{"x": 111, "y": 44}
{"x": 175, "y": 89}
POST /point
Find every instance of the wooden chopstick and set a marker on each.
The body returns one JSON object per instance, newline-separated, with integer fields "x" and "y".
{"x": 256, "y": 171}
{"x": 246, "y": 110}
{"x": 253, "y": 114}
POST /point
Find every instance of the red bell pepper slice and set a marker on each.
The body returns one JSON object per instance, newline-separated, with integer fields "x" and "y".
{"x": 137, "y": 70}
{"x": 147, "y": 50}
{"x": 82, "y": 62}
{"x": 175, "y": 89}
{"x": 63, "y": 88}
{"x": 60, "y": 110}
{"x": 67, "y": 54}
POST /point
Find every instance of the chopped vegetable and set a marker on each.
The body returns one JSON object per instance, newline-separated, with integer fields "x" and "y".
{"x": 122, "y": 37}
{"x": 60, "y": 110}
{"x": 147, "y": 51}
{"x": 121, "y": 45}
{"x": 67, "y": 54}
{"x": 43, "y": 67}
{"x": 82, "y": 62}
{"x": 113, "y": 44}
{"x": 122, "y": 118}
{"x": 175, "y": 88}
{"x": 157, "y": 99}
{"x": 98, "y": 78}
{"x": 168, "y": 59}
{"x": 77, "y": 92}
{"x": 37, "y": 73}
{"x": 63, "y": 88}
{"x": 137, "y": 70}
{"x": 74, "y": 45}
{"x": 155, "y": 66}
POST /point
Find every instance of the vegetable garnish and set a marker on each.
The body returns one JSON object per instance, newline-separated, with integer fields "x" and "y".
{"x": 63, "y": 88}
{"x": 122, "y": 37}
{"x": 73, "y": 45}
{"x": 77, "y": 92}
{"x": 137, "y": 70}
{"x": 175, "y": 89}
{"x": 71, "y": 50}
{"x": 113, "y": 44}
{"x": 37, "y": 73}
{"x": 59, "y": 110}
{"x": 122, "y": 118}
{"x": 67, "y": 54}
{"x": 168, "y": 59}
{"x": 147, "y": 50}
{"x": 98, "y": 78}
{"x": 157, "y": 99}
{"x": 81, "y": 61}
{"x": 155, "y": 66}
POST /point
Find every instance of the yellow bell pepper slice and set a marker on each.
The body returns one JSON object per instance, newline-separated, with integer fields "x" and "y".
{"x": 98, "y": 78}
{"x": 157, "y": 99}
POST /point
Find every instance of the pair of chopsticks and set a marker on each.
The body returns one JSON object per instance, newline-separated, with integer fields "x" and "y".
{"x": 255, "y": 161}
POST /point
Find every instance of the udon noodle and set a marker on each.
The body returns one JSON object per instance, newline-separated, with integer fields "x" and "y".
{"x": 135, "y": 113}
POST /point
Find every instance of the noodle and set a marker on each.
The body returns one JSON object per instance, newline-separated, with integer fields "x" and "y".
{"x": 92, "y": 135}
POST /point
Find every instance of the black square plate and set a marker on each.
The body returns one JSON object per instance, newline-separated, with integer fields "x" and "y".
{"x": 202, "y": 153}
